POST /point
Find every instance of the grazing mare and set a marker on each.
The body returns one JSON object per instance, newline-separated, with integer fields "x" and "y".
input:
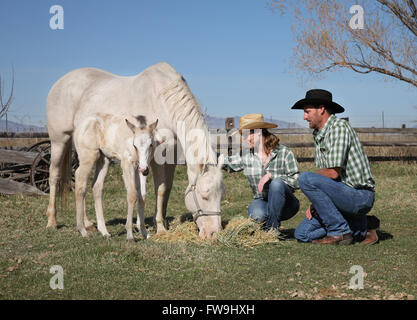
{"x": 99, "y": 138}
{"x": 158, "y": 92}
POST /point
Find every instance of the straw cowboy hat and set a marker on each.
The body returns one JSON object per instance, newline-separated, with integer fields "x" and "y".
{"x": 319, "y": 97}
{"x": 254, "y": 121}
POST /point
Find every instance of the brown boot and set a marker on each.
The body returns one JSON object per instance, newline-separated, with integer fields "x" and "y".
{"x": 371, "y": 237}
{"x": 344, "y": 239}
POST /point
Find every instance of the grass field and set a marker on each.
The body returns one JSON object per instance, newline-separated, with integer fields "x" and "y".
{"x": 98, "y": 268}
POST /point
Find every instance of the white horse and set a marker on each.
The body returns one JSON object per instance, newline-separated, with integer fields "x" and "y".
{"x": 100, "y": 138}
{"x": 157, "y": 92}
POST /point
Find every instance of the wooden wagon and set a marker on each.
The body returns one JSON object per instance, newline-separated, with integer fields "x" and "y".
{"x": 26, "y": 170}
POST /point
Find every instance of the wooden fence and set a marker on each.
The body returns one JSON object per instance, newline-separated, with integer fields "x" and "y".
{"x": 381, "y": 144}
{"x": 403, "y": 132}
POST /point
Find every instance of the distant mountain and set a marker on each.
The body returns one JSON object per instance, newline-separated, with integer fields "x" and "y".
{"x": 219, "y": 123}
{"x": 17, "y": 127}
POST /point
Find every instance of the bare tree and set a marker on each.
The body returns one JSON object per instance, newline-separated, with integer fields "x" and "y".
{"x": 4, "y": 106}
{"x": 325, "y": 40}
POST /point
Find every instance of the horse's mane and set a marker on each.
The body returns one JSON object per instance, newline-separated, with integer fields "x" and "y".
{"x": 183, "y": 106}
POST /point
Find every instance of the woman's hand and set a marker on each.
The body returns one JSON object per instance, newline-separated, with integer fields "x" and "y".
{"x": 263, "y": 180}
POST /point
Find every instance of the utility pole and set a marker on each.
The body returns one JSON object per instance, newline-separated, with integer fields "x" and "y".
{"x": 383, "y": 122}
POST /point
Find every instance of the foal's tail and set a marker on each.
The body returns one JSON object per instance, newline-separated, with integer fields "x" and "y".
{"x": 64, "y": 183}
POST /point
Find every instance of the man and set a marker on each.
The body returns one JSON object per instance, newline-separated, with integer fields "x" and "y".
{"x": 342, "y": 190}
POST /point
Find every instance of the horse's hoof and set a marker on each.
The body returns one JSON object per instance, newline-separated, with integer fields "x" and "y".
{"x": 161, "y": 232}
{"x": 51, "y": 226}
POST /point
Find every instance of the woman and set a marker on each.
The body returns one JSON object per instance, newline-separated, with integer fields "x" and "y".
{"x": 271, "y": 170}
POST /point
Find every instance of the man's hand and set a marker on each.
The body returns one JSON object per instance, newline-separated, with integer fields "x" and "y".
{"x": 262, "y": 182}
{"x": 332, "y": 173}
{"x": 310, "y": 212}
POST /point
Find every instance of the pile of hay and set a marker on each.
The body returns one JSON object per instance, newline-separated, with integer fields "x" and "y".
{"x": 239, "y": 232}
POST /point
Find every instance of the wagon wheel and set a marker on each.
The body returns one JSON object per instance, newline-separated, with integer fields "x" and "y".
{"x": 39, "y": 172}
{"x": 40, "y": 146}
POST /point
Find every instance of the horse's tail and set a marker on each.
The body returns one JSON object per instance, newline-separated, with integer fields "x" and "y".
{"x": 64, "y": 183}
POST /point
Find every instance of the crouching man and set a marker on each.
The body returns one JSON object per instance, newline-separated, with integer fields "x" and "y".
{"x": 342, "y": 190}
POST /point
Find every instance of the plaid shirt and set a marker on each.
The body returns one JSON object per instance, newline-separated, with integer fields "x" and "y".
{"x": 282, "y": 164}
{"x": 337, "y": 145}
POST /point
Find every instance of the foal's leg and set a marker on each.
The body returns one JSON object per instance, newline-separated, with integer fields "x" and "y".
{"x": 140, "y": 180}
{"x": 132, "y": 195}
{"x": 160, "y": 188}
{"x": 87, "y": 160}
{"x": 102, "y": 167}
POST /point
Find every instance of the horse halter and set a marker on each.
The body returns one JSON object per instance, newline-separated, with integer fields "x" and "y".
{"x": 200, "y": 212}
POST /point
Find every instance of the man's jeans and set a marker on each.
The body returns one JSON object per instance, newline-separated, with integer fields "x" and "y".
{"x": 341, "y": 209}
{"x": 280, "y": 205}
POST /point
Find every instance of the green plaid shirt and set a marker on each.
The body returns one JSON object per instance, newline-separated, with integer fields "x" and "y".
{"x": 282, "y": 164}
{"x": 337, "y": 145}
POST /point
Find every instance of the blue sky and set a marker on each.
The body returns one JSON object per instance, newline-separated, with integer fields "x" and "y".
{"x": 234, "y": 54}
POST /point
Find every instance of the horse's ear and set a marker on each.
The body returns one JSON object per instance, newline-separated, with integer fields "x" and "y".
{"x": 153, "y": 125}
{"x": 130, "y": 125}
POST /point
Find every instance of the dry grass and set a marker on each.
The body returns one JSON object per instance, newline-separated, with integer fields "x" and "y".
{"x": 370, "y": 152}
{"x": 244, "y": 232}
{"x": 391, "y": 151}
{"x": 19, "y": 142}
{"x": 238, "y": 232}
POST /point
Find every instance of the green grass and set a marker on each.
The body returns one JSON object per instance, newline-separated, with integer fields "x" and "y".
{"x": 98, "y": 268}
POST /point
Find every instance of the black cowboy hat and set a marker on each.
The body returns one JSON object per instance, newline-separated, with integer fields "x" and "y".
{"x": 319, "y": 97}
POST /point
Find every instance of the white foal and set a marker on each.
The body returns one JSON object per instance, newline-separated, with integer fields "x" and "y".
{"x": 101, "y": 137}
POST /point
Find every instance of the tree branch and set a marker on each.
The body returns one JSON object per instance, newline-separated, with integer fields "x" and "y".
{"x": 402, "y": 15}
{"x": 4, "y": 107}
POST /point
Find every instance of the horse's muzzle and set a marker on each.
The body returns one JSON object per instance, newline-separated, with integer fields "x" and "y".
{"x": 145, "y": 172}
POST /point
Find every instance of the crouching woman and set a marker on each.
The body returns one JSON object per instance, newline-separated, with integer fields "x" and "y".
{"x": 271, "y": 170}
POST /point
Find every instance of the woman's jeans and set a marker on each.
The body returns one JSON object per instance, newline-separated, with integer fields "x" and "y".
{"x": 280, "y": 205}
{"x": 341, "y": 209}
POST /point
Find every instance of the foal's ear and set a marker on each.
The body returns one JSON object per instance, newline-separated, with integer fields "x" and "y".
{"x": 153, "y": 125}
{"x": 131, "y": 126}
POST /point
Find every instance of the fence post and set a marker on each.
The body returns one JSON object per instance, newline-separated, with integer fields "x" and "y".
{"x": 229, "y": 125}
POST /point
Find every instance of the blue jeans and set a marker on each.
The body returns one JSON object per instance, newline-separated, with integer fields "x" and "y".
{"x": 341, "y": 209}
{"x": 280, "y": 205}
